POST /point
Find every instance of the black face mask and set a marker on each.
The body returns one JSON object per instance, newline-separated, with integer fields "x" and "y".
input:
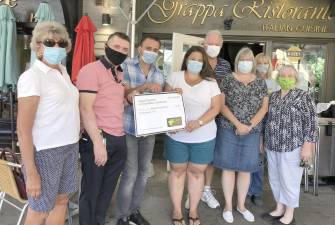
{"x": 114, "y": 56}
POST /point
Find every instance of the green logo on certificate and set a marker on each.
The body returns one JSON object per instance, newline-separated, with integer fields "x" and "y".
{"x": 172, "y": 122}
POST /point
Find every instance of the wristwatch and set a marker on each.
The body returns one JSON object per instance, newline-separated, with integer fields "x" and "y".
{"x": 201, "y": 122}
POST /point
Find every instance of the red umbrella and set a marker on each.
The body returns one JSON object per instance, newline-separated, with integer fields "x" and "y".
{"x": 84, "y": 47}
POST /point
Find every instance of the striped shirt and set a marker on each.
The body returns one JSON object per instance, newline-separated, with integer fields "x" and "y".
{"x": 222, "y": 69}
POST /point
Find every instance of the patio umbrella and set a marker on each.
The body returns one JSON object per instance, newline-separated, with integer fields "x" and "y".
{"x": 9, "y": 70}
{"x": 84, "y": 46}
{"x": 43, "y": 13}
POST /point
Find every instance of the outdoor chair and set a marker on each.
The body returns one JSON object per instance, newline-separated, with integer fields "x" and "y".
{"x": 8, "y": 187}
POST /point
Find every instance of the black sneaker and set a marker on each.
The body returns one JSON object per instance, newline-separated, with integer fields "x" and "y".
{"x": 123, "y": 222}
{"x": 138, "y": 219}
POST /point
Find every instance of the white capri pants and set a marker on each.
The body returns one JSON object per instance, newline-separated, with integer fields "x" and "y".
{"x": 285, "y": 176}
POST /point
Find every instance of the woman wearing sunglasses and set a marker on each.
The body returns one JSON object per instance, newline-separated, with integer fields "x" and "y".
{"x": 48, "y": 127}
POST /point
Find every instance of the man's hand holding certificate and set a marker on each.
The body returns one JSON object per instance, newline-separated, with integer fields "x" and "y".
{"x": 158, "y": 113}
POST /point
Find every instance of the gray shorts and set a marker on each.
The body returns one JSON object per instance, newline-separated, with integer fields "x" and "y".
{"x": 58, "y": 169}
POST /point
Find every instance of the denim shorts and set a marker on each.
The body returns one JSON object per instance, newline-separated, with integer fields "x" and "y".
{"x": 236, "y": 152}
{"x": 181, "y": 152}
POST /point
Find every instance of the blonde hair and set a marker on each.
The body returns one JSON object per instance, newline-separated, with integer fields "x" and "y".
{"x": 291, "y": 68}
{"x": 245, "y": 51}
{"x": 214, "y": 32}
{"x": 262, "y": 56}
{"x": 49, "y": 29}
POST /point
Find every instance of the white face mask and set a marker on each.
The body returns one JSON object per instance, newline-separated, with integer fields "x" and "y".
{"x": 245, "y": 66}
{"x": 213, "y": 50}
{"x": 262, "y": 68}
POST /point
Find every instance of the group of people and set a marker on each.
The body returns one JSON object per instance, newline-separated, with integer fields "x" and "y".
{"x": 233, "y": 118}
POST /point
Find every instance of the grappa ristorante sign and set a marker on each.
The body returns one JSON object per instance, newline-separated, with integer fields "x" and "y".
{"x": 200, "y": 11}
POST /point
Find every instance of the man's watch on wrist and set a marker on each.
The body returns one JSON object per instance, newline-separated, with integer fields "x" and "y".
{"x": 200, "y": 122}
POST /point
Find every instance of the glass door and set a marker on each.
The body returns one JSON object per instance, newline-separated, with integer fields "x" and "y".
{"x": 308, "y": 59}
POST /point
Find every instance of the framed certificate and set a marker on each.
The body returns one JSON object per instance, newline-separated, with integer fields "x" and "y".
{"x": 158, "y": 113}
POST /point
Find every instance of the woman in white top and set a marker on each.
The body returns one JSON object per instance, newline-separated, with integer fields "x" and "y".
{"x": 191, "y": 150}
{"x": 48, "y": 126}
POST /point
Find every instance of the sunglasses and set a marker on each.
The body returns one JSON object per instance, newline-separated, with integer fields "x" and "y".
{"x": 52, "y": 43}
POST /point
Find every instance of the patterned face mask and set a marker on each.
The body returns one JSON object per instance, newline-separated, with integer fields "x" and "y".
{"x": 286, "y": 83}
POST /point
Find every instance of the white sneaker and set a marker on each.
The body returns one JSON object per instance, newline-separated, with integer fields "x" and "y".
{"x": 228, "y": 216}
{"x": 208, "y": 197}
{"x": 247, "y": 215}
{"x": 187, "y": 202}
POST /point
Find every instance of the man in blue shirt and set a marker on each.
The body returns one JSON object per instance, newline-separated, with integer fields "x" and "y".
{"x": 140, "y": 75}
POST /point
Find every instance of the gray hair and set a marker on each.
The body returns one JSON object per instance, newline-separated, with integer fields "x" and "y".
{"x": 49, "y": 29}
{"x": 291, "y": 68}
{"x": 245, "y": 51}
{"x": 214, "y": 32}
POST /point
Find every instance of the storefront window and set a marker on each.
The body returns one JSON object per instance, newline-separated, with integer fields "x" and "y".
{"x": 164, "y": 61}
{"x": 308, "y": 59}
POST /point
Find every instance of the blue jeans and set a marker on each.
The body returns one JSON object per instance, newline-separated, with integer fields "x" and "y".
{"x": 135, "y": 174}
{"x": 256, "y": 180}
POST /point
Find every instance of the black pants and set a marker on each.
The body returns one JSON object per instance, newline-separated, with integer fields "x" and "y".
{"x": 98, "y": 183}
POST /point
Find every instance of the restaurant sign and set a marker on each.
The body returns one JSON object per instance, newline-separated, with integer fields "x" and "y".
{"x": 310, "y": 17}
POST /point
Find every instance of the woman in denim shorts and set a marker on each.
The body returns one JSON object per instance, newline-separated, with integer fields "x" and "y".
{"x": 189, "y": 151}
{"x": 48, "y": 127}
{"x": 238, "y": 138}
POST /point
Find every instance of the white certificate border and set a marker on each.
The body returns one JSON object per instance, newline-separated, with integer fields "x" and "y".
{"x": 162, "y": 132}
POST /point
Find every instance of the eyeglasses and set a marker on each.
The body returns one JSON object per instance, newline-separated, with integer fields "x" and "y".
{"x": 52, "y": 43}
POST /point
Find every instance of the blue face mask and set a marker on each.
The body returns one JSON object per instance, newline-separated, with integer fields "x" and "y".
{"x": 194, "y": 67}
{"x": 54, "y": 55}
{"x": 149, "y": 57}
{"x": 245, "y": 66}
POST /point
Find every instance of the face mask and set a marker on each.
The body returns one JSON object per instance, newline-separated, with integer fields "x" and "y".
{"x": 286, "y": 83}
{"x": 213, "y": 50}
{"x": 114, "y": 56}
{"x": 149, "y": 57}
{"x": 245, "y": 66}
{"x": 194, "y": 67}
{"x": 54, "y": 55}
{"x": 262, "y": 68}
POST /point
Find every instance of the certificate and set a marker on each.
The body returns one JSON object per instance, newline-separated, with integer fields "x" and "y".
{"x": 158, "y": 113}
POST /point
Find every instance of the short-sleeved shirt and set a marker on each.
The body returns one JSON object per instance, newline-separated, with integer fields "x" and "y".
{"x": 134, "y": 77}
{"x": 291, "y": 121}
{"x": 197, "y": 101}
{"x": 222, "y": 69}
{"x": 244, "y": 101}
{"x": 57, "y": 119}
{"x": 97, "y": 78}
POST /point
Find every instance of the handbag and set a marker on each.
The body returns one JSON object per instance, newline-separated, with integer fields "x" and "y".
{"x": 8, "y": 155}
